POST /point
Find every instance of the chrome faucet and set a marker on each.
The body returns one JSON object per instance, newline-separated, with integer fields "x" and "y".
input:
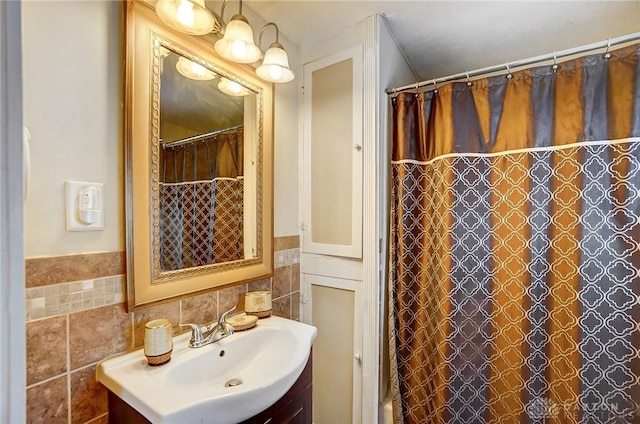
{"x": 212, "y": 332}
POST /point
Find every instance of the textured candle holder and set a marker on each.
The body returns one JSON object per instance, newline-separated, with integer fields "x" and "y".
{"x": 155, "y": 361}
{"x": 158, "y": 341}
{"x": 258, "y": 303}
{"x": 261, "y": 314}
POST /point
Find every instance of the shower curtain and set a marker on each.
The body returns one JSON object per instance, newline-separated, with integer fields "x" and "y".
{"x": 201, "y": 202}
{"x": 515, "y": 247}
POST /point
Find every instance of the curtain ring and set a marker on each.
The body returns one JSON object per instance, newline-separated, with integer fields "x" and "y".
{"x": 435, "y": 87}
{"x": 509, "y": 76}
{"x": 469, "y": 83}
{"x": 555, "y": 62}
{"x": 607, "y": 55}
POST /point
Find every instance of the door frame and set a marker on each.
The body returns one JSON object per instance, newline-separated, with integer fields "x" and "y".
{"x": 12, "y": 302}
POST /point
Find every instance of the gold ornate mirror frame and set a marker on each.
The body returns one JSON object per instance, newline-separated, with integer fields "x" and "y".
{"x": 147, "y": 283}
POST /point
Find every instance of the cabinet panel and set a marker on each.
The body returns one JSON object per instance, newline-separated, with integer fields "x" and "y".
{"x": 333, "y": 306}
{"x": 332, "y": 171}
{"x": 331, "y": 133}
{"x": 295, "y": 407}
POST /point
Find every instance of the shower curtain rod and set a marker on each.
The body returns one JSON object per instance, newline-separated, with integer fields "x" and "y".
{"x": 509, "y": 66}
{"x": 195, "y": 138}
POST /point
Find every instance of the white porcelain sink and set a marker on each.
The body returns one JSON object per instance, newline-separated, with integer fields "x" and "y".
{"x": 267, "y": 359}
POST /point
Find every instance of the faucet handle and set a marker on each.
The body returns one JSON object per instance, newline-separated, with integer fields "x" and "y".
{"x": 196, "y": 332}
{"x": 223, "y": 318}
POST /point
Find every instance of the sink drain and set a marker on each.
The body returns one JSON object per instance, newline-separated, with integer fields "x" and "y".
{"x": 233, "y": 382}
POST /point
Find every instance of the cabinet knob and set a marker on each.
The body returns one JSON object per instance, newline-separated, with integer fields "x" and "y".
{"x": 357, "y": 147}
{"x": 357, "y": 358}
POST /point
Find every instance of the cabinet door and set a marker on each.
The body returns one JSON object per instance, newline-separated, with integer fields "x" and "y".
{"x": 298, "y": 411}
{"x": 332, "y": 155}
{"x": 334, "y": 306}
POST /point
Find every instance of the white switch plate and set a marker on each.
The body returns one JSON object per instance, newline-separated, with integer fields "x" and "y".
{"x": 72, "y": 201}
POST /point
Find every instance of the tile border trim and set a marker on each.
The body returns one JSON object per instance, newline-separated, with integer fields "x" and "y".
{"x": 81, "y": 295}
{"x": 50, "y": 270}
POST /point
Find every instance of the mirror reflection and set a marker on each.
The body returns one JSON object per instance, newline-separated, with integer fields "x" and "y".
{"x": 201, "y": 166}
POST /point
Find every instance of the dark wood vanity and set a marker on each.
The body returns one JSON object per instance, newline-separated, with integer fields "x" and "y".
{"x": 292, "y": 408}
{"x": 295, "y": 407}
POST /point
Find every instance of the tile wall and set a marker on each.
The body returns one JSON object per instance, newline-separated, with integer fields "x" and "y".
{"x": 76, "y": 317}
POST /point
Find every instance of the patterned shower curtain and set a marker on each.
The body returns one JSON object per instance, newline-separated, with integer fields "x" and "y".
{"x": 515, "y": 247}
{"x": 201, "y": 202}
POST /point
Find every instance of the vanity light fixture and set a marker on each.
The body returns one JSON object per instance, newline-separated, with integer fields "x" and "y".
{"x": 236, "y": 44}
{"x": 231, "y": 88}
{"x": 275, "y": 65}
{"x": 194, "y": 70}
{"x": 188, "y": 16}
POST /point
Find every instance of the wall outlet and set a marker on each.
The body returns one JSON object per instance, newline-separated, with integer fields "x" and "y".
{"x": 84, "y": 206}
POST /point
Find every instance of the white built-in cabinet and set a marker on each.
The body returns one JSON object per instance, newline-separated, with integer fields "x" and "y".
{"x": 331, "y": 229}
{"x": 344, "y": 164}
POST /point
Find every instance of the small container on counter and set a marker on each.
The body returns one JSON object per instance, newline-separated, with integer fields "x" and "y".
{"x": 158, "y": 341}
{"x": 258, "y": 303}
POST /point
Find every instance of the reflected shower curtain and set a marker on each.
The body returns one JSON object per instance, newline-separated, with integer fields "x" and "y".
{"x": 202, "y": 198}
{"x": 515, "y": 247}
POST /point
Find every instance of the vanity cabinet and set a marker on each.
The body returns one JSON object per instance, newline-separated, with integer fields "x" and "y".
{"x": 292, "y": 408}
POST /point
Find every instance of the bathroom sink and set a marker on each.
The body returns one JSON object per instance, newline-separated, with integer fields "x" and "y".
{"x": 224, "y": 382}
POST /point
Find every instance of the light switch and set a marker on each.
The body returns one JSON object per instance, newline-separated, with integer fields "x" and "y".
{"x": 85, "y": 206}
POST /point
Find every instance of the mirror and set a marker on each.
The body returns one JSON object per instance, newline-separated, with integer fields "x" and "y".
{"x": 201, "y": 160}
{"x": 198, "y": 158}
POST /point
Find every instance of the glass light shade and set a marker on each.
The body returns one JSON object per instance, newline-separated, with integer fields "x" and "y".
{"x": 231, "y": 88}
{"x": 237, "y": 43}
{"x": 275, "y": 66}
{"x": 188, "y": 16}
{"x": 194, "y": 70}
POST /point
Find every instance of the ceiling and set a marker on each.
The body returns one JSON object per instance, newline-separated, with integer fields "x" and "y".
{"x": 441, "y": 38}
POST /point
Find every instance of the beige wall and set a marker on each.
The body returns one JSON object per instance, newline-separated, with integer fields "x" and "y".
{"x": 73, "y": 109}
{"x": 74, "y": 280}
{"x": 72, "y": 96}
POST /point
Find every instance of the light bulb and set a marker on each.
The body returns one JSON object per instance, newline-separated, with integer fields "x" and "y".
{"x": 232, "y": 88}
{"x": 275, "y": 72}
{"x": 198, "y": 69}
{"x": 239, "y": 49}
{"x": 193, "y": 70}
{"x": 275, "y": 65}
{"x": 186, "y": 14}
{"x": 235, "y": 87}
{"x": 189, "y": 16}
